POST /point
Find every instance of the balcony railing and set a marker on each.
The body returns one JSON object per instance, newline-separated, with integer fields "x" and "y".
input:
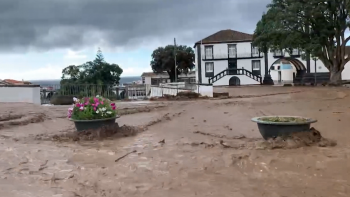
{"x": 218, "y": 56}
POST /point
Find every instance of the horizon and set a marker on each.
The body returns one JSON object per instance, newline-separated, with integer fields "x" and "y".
{"x": 60, "y": 79}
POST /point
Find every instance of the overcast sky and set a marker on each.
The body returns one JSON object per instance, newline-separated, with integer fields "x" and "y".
{"x": 40, "y": 37}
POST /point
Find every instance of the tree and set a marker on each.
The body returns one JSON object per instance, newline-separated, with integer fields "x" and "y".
{"x": 163, "y": 59}
{"x": 316, "y": 27}
{"x": 97, "y": 72}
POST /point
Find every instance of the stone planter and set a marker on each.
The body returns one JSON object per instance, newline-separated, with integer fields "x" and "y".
{"x": 273, "y": 129}
{"x": 82, "y": 125}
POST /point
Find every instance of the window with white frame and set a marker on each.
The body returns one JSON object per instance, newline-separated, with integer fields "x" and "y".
{"x": 256, "y": 64}
{"x": 232, "y": 50}
{"x": 255, "y": 51}
{"x": 208, "y": 52}
{"x": 256, "y": 67}
{"x": 278, "y": 53}
{"x": 209, "y": 67}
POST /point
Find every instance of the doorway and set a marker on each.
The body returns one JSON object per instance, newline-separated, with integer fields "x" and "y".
{"x": 232, "y": 66}
{"x": 279, "y": 77}
{"x": 234, "y": 81}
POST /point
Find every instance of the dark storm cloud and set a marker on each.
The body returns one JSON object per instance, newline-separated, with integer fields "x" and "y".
{"x": 49, "y": 24}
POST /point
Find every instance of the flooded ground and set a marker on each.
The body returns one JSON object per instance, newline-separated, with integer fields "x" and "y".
{"x": 183, "y": 148}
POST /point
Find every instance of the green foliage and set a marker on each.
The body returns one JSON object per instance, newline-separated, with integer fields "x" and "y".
{"x": 92, "y": 108}
{"x": 163, "y": 59}
{"x": 316, "y": 27}
{"x": 97, "y": 72}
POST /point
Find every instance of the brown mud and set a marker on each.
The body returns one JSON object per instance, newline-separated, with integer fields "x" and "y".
{"x": 186, "y": 148}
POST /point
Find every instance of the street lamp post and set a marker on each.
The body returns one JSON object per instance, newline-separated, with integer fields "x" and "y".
{"x": 315, "y": 59}
{"x": 175, "y": 59}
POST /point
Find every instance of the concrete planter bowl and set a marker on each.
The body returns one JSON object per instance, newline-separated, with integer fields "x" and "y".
{"x": 275, "y": 126}
{"x": 83, "y": 125}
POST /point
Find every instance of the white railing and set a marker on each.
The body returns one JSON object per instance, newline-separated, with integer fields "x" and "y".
{"x": 226, "y": 55}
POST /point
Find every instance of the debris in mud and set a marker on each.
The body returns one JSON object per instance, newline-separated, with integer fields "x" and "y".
{"x": 89, "y": 135}
{"x": 220, "y": 94}
{"x": 297, "y": 140}
{"x": 15, "y": 120}
{"x": 127, "y": 111}
{"x": 109, "y": 132}
{"x": 10, "y": 116}
{"x": 181, "y": 96}
{"x": 220, "y": 136}
{"x": 134, "y": 151}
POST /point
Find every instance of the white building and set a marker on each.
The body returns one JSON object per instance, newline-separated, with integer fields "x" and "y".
{"x": 151, "y": 78}
{"x": 282, "y": 72}
{"x": 228, "y": 58}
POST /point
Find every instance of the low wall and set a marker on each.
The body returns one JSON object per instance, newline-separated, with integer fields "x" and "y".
{"x": 20, "y": 93}
{"x": 160, "y": 91}
{"x": 204, "y": 90}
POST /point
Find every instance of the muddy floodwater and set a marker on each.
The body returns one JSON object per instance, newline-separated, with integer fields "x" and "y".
{"x": 180, "y": 148}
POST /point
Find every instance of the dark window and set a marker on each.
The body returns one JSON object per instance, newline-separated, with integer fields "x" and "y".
{"x": 209, "y": 69}
{"x": 143, "y": 80}
{"x": 256, "y": 67}
{"x": 209, "y": 52}
{"x": 157, "y": 81}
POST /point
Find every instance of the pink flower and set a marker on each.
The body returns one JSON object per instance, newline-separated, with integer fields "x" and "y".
{"x": 70, "y": 111}
{"x": 113, "y": 107}
{"x": 97, "y": 103}
{"x": 81, "y": 108}
{"x": 102, "y": 102}
{"x": 78, "y": 105}
{"x": 94, "y": 108}
{"x": 112, "y": 104}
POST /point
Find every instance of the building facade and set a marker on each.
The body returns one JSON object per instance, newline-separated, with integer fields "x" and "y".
{"x": 150, "y": 78}
{"x": 229, "y": 58}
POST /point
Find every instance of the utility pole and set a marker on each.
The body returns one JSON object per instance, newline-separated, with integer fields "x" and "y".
{"x": 175, "y": 59}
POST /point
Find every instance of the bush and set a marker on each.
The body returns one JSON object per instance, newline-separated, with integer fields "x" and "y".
{"x": 92, "y": 108}
{"x": 61, "y": 100}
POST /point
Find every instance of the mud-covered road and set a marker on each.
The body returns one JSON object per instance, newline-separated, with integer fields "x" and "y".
{"x": 180, "y": 148}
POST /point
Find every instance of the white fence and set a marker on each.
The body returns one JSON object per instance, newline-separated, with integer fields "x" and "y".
{"x": 175, "y": 88}
{"x": 20, "y": 93}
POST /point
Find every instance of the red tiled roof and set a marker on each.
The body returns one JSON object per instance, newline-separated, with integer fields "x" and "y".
{"x": 226, "y": 36}
{"x": 12, "y": 81}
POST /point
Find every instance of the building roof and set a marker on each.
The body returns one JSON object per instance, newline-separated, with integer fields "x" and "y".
{"x": 152, "y": 74}
{"x": 226, "y": 36}
{"x": 12, "y": 81}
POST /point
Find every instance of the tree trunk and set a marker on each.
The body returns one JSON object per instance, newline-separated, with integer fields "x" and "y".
{"x": 171, "y": 74}
{"x": 335, "y": 77}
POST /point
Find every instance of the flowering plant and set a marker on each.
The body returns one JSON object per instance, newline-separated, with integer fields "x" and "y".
{"x": 92, "y": 108}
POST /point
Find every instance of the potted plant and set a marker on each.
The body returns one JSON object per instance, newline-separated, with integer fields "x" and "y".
{"x": 92, "y": 113}
{"x": 274, "y": 126}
